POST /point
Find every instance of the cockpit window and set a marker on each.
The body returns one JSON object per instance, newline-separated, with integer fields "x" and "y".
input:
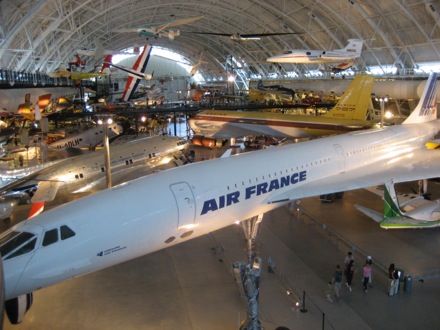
{"x": 16, "y": 243}
{"x": 50, "y": 237}
{"x": 66, "y": 232}
{"x": 28, "y": 247}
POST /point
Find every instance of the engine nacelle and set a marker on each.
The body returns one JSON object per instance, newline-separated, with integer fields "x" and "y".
{"x": 203, "y": 141}
{"x": 16, "y": 308}
{"x": 7, "y": 207}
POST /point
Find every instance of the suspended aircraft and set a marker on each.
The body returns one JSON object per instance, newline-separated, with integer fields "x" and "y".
{"x": 75, "y": 75}
{"x": 135, "y": 74}
{"x": 403, "y": 211}
{"x": 197, "y": 66}
{"x": 157, "y": 30}
{"x": 243, "y": 38}
{"x": 99, "y": 51}
{"x": 173, "y": 206}
{"x": 351, "y": 51}
{"x": 349, "y": 114}
{"x": 78, "y": 63}
{"x": 86, "y": 173}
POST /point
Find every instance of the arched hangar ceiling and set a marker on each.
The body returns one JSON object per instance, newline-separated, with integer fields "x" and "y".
{"x": 44, "y": 34}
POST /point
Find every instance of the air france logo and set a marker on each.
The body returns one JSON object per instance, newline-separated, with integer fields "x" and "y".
{"x": 215, "y": 204}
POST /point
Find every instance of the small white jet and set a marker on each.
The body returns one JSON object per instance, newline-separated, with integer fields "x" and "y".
{"x": 173, "y": 206}
{"x": 412, "y": 211}
{"x": 156, "y": 30}
{"x": 350, "y": 52}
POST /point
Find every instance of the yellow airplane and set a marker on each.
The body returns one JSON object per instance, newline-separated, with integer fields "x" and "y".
{"x": 349, "y": 114}
{"x": 75, "y": 75}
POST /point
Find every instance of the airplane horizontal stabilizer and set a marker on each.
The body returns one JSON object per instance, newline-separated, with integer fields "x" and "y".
{"x": 433, "y": 144}
{"x": 46, "y": 191}
{"x": 376, "y": 216}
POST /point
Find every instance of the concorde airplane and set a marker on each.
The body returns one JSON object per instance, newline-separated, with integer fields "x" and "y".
{"x": 403, "y": 211}
{"x": 86, "y": 173}
{"x": 176, "y": 205}
{"x": 308, "y": 56}
{"x": 349, "y": 114}
{"x": 157, "y": 30}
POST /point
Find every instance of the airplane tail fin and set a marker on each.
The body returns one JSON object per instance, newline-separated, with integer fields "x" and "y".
{"x": 354, "y": 47}
{"x": 107, "y": 61}
{"x": 391, "y": 204}
{"x": 36, "y": 209}
{"x": 354, "y": 103}
{"x": 426, "y": 109}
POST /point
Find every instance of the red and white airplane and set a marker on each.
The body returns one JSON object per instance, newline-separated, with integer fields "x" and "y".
{"x": 135, "y": 74}
{"x": 171, "y": 207}
{"x": 307, "y": 56}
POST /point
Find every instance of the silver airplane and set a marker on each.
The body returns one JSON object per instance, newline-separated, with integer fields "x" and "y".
{"x": 86, "y": 173}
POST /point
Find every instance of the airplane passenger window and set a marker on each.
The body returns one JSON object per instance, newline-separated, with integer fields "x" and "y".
{"x": 13, "y": 241}
{"x": 66, "y": 232}
{"x": 50, "y": 237}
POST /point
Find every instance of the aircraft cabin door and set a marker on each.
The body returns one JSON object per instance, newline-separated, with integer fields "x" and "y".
{"x": 185, "y": 203}
{"x": 341, "y": 157}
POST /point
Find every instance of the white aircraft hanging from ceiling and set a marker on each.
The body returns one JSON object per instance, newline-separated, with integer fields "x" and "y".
{"x": 307, "y": 56}
{"x": 157, "y": 30}
{"x": 197, "y": 66}
{"x": 100, "y": 51}
{"x": 243, "y": 38}
{"x": 170, "y": 207}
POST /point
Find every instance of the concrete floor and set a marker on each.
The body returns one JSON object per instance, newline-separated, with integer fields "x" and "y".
{"x": 191, "y": 286}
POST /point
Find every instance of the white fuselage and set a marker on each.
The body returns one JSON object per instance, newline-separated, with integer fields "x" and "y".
{"x": 173, "y": 206}
{"x": 312, "y": 56}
